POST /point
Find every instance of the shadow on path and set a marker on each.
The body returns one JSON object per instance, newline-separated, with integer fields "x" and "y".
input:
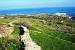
{"x": 22, "y": 45}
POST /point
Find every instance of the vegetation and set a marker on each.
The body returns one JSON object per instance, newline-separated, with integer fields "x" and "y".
{"x": 11, "y": 42}
{"x": 52, "y": 40}
{"x": 41, "y": 32}
{"x": 23, "y": 23}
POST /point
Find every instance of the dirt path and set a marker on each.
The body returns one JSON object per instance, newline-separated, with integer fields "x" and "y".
{"x": 29, "y": 44}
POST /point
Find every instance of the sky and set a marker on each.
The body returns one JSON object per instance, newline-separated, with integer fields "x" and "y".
{"x": 19, "y": 4}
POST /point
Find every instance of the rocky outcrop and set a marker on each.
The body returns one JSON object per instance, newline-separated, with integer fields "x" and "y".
{"x": 4, "y": 30}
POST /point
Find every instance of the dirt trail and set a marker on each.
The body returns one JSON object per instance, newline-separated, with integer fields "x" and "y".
{"x": 29, "y": 44}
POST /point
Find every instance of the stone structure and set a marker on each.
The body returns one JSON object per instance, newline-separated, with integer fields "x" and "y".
{"x": 29, "y": 44}
{"x": 61, "y": 14}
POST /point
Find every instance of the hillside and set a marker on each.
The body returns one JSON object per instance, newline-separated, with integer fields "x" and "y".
{"x": 46, "y": 31}
{"x": 49, "y": 39}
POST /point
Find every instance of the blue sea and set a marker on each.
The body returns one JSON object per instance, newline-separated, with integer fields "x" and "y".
{"x": 49, "y": 10}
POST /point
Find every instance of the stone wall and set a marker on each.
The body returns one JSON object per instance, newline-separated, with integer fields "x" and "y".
{"x": 27, "y": 40}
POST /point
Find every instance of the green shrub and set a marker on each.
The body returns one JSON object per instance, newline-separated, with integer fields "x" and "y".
{"x": 10, "y": 44}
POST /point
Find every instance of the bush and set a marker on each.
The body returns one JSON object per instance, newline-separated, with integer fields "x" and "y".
{"x": 70, "y": 25}
{"x": 24, "y": 23}
{"x": 73, "y": 40}
{"x": 9, "y": 44}
{"x": 49, "y": 23}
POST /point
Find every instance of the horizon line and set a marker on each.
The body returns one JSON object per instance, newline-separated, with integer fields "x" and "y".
{"x": 35, "y": 8}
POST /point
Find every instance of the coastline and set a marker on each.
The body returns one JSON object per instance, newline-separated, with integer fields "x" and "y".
{"x": 50, "y": 10}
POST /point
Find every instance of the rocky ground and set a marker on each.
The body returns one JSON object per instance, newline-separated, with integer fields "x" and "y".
{"x": 4, "y": 30}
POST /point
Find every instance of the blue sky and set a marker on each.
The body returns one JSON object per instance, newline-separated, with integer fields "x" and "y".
{"x": 19, "y": 4}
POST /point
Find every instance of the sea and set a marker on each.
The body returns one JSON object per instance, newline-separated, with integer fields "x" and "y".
{"x": 50, "y": 10}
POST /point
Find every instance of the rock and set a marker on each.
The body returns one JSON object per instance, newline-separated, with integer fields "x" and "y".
{"x": 1, "y": 35}
{"x": 10, "y": 25}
